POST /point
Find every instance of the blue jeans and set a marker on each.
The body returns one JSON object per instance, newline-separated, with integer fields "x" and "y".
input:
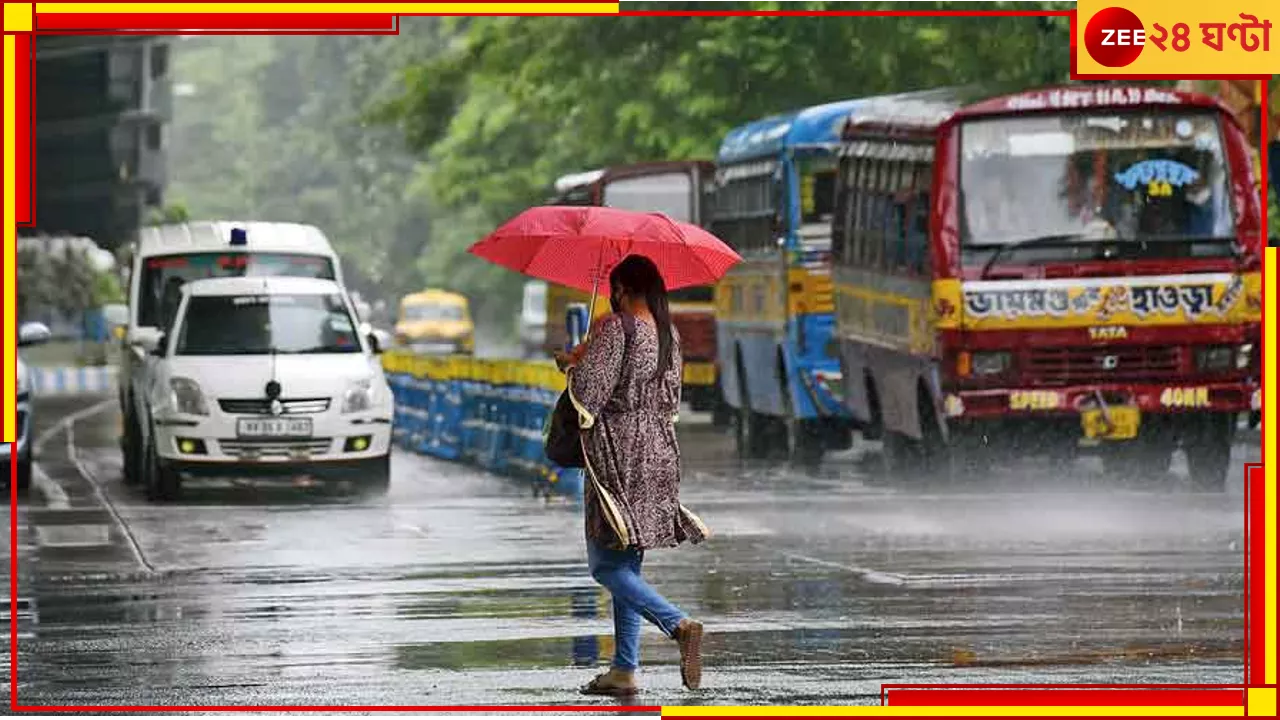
{"x": 633, "y": 598}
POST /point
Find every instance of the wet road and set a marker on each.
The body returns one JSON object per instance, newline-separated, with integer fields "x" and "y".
{"x": 463, "y": 588}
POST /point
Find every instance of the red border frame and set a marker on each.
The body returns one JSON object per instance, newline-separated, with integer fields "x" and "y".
{"x": 340, "y": 23}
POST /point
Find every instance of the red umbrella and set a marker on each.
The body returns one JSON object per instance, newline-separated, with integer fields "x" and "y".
{"x": 578, "y": 246}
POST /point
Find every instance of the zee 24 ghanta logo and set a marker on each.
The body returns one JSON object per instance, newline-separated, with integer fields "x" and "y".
{"x": 1115, "y": 37}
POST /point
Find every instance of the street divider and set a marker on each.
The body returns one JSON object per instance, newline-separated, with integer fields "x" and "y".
{"x": 487, "y": 413}
{"x": 63, "y": 381}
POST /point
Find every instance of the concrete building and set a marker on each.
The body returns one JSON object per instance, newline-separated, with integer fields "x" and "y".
{"x": 102, "y": 107}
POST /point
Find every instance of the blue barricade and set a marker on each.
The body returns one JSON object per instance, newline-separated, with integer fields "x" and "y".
{"x": 484, "y": 412}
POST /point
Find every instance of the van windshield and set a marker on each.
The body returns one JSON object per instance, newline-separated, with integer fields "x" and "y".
{"x": 264, "y": 324}
{"x": 163, "y": 276}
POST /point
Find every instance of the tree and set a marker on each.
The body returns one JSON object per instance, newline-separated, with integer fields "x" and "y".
{"x": 514, "y": 102}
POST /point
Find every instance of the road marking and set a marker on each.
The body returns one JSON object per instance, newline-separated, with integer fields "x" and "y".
{"x": 878, "y": 577}
{"x": 54, "y": 496}
{"x": 72, "y": 536}
{"x": 90, "y": 478}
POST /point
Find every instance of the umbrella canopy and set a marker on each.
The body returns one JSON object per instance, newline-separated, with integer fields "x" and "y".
{"x": 578, "y": 246}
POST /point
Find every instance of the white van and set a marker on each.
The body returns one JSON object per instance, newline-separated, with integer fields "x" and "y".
{"x": 266, "y": 376}
{"x": 167, "y": 257}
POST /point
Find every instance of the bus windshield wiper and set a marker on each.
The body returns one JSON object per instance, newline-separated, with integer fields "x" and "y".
{"x": 1036, "y": 241}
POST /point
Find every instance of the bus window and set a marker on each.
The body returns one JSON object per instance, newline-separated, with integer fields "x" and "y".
{"x": 918, "y": 231}
{"x": 668, "y": 193}
{"x": 861, "y": 198}
{"x": 879, "y": 211}
{"x": 745, "y": 212}
{"x": 842, "y": 215}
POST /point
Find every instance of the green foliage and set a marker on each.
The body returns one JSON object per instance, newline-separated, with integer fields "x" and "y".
{"x": 61, "y": 281}
{"x": 274, "y": 128}
{"x": 170, "y": 213}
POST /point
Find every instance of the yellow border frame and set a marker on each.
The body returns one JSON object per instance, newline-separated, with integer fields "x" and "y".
{"x": 18, "y": 17}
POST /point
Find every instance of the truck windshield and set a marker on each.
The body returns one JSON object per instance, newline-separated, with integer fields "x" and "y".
{"x": 163, "y": 276}
{"x": 265, "y": 324}
{"x": 1141, "y": 179}
{"x": 432, "y": 312}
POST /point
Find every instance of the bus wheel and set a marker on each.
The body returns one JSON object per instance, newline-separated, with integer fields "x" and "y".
{"x": 721, "y": 413}
{"x": 749, "y": 427}
{"x": 1208, "y": 450}
{"x": 806, "y": 442}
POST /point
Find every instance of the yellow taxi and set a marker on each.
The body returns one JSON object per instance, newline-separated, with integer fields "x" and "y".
{"x": 436, "y": 322}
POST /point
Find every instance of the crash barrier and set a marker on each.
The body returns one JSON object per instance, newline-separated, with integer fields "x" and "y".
{"x": 93, "y": 380}
{"x": 488, "y": 413}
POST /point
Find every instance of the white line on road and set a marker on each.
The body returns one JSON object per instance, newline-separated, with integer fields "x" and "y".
{"x": 90, "y": 478}
{"x": 54, "y": 495}
{"x": 878, "y": 577}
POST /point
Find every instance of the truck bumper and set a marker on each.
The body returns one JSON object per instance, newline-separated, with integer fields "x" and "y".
{"x": 1150, "y": 399}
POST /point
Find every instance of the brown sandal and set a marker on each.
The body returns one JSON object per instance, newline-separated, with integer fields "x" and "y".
{"x": 689, "y": 637}
{"x": 603, "y": 684}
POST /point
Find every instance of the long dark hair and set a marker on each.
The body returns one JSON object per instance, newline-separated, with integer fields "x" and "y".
{"x": 637, "y": 276}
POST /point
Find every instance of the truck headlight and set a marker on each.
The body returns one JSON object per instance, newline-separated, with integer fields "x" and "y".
{"x": 990, "y": 363}
{"x": 1244, "y": 356}
{"x": 186, "y": 398}
{"x": 360, "y": 397}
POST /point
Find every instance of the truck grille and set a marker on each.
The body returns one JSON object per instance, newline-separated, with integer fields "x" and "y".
{"x": 1062, "y": 366}
{"x": 697, "y": 334}
{"x": 263, "y": 407}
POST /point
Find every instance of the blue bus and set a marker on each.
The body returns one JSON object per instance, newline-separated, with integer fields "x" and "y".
{"x": 773, "y": 202}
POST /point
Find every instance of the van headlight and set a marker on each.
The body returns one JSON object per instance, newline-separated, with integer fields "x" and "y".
{"x": 186, "y": 398}
{"x": 361, "y": 396}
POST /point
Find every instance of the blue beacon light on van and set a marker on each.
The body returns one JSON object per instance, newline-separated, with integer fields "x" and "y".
{"x": 239, "y": 237}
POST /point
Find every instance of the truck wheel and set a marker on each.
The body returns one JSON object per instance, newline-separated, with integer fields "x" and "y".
{"x": 1143, "y": 462}
{"x": 1209, "y": 452}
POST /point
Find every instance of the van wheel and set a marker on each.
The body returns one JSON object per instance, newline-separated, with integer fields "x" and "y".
{"x": 129, "y": 449}
{"x": 162, "y": 484}
{"x": 24, "y": 475}
{"x": 1209, "y": 452}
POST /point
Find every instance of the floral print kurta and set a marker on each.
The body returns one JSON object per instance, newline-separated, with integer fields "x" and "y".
{"x": 628, "y": 414}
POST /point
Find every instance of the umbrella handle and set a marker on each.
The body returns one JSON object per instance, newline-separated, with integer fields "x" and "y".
{"x": 595, "y": 291}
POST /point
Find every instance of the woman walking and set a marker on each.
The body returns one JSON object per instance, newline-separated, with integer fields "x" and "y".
{"x": 625, "y": 384}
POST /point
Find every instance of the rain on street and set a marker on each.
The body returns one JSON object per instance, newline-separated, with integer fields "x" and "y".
{"x": 463, "y": 588}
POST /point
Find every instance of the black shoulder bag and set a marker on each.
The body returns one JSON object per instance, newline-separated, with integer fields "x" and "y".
{"x": 563, "y": 434}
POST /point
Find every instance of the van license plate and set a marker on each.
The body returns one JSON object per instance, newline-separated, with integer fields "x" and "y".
{"x": 1123, "y": 426}
{"x": 274, "y": 427}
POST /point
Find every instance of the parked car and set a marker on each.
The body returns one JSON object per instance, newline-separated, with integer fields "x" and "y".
{"x": 265, "y": 377}
{"x": 32, "y": 333}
